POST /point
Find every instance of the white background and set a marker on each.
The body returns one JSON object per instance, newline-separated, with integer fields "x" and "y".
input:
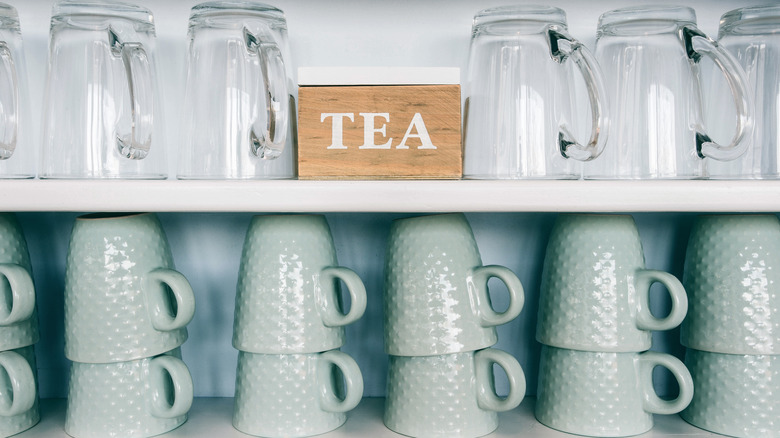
{"x": 207, "y": 247}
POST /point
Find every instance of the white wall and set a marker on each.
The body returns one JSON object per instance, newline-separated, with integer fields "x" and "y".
{"x": 207, "y": 247}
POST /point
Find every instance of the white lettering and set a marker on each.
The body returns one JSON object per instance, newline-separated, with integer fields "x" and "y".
{"x": 337, "y": 136}
{"x": 422, "y": 133}
{"x": 369, "y": 132}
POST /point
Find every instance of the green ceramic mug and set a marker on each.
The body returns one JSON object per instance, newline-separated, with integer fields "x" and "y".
{"x": 18, "y": 315}
{"x": 605, "y": 394}
{"x": 19, "y": 409}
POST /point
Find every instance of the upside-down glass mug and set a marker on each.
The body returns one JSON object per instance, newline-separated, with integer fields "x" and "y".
{"x": 519, "y": 107}
{"x": 651, "y": 57}
{"x": 752, "y": 35}
{"x": 239, "y": 118}
{"x": 17, "y": 152}
{"x": 101, "y": 116}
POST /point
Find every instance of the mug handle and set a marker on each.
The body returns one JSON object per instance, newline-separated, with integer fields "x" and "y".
{"x": 644, "y": 278}
{"x": 160, "y": 312}
{"x": 22, "y": 293}
{"x": 327, "y": 298}
{"x": 352, "y": 377}
{"x": 10, "y": 91}
{"x": 478, "y": 283}
{"x": 696, "y": 45}
{"x": 268, "y": 142}
{"x": 651, "y": 403}
{"x": 136, "y": 144}
{"x": 181, "y": 380}
{"x": 487, "y": 398}
{"x": 23, "y": 390}
{"x": 563, "y": 46}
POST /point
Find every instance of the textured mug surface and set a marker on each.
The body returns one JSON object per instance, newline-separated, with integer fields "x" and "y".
{"x": 138, "y": 398}
{"x": 732, "y": 275}
{"x": 120, "y": 289}
{"x": 19, "y": 408}
{"x": 605, "y": 394}
{"x": 595, "y": 288}
{"x": 294, "y": 395}
{"x": 736, "y": 394}
{"x": 449, "y": 395}
{"x": 19, "y": 323}
{"x": 436, "y": 298}
{"x": 288, "y": 298}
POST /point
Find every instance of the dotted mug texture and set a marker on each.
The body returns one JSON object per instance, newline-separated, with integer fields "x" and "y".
{"x": 732, "y": 275}
{"x": 19, "y": 321}
{"x": 595, "y": 288}
{"x": 288, "y": 297}
{"x": 121, "y": 290}
{"x": 436, "y": 298}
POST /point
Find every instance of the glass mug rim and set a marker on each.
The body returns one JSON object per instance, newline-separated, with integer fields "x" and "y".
{"x": 97, "y": 8}
{"x": 236, "y": 9}
{"x": 762, "y": 19}
{"x": 519, "y": 14}
{"x": 647, "y": 19}
{"x": 9, "y": 17}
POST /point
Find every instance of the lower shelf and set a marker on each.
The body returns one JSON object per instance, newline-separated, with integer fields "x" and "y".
{"x": 211, "y": 417}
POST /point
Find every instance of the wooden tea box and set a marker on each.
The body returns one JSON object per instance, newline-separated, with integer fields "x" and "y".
{"x": 379, "y": 123}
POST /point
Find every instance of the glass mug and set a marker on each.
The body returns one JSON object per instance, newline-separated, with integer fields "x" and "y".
{"x": 240, "y": 110}
{"x": 519, "y": 105}
{"x": 752, "y": 35}
{"x": 101, "y": 117}
{"x": 651, "y": 57}
{"x": 17, "y": 153}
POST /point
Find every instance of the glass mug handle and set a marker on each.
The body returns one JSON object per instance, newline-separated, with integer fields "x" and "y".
{"x": 696, "y": 45}
{"x": 651, "y": 401}
{"x": 164, "y": 404}
{"x": 594, "y": 81}
{"x": 353, "y": 379}
{"x": 135, "y": 144}
{"x": 268, "y": 142}
{"x": 21, "y": 396}
{"x": 483, "y": 369}
{"x": 9, "y": 99}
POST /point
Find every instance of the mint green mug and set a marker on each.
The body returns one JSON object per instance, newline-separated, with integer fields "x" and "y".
{"x": 595, "y": 293}
{"x": 288, "y": 298}
{"x": 18, "y": 314}
{"x": 19, "y": 408}
{"x": 436, "y": 298}
{"x": 294, "y": 395}
{"x": 123, "y": 299}
{"x": 605, "y": 394}
{"x": 450, "y": 395}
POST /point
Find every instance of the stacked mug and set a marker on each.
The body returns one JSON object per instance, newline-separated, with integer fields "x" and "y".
{"x": 126, "y": 311}
{"x": 439, "y": 326}
{"x": 732, "y": 330}
{"x": 18, "y": 332}
{"x": 595, "y": 323}
{"x": 291, "y": 379}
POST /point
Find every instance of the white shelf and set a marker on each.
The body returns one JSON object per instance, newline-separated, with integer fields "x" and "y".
{"x": 211, "y": 417}
{"x": 389, "y": 196}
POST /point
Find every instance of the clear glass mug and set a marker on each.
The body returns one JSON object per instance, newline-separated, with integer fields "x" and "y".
{"x": 17, "y": 151}
{"x": 752, "y": 35}
{"x": 519, "y": 107}
{"x": 650, "y": 56}
{"x": 239, "y": 110}
{"x": 101, "y": 114}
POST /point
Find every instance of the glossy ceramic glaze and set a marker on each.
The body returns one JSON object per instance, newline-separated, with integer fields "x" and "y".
{"x": 450, "y": 395}
{"x": 436, "y": 297}
{"x": 120, "y": 288}
{"x": 288, "y": 299}
{"x": 21, "y": 328}
{"x": 736, "y": 394}
{"x": 295, "y": 395}
{"x": 26, "y": 413}
{"x": 595, "y": 288}
{"x": 139, "y": 398}
{"x": 605, "y": 394}
{"x": 732, "y": 275}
